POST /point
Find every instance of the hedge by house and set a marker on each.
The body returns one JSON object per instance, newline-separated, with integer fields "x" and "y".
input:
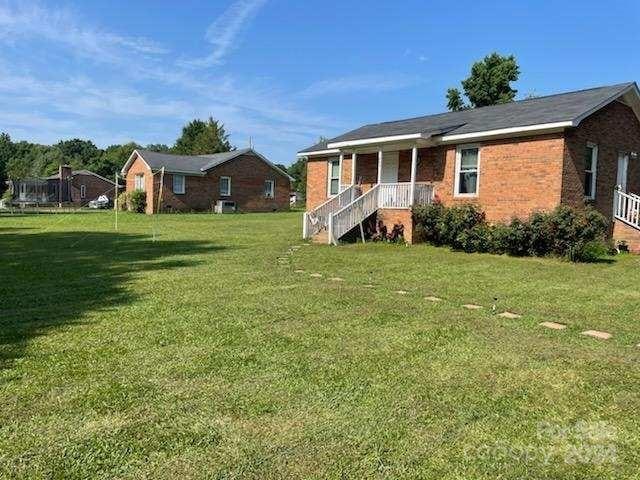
{"x": 578, "y": 235}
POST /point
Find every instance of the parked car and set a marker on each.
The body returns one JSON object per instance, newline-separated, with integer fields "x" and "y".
{"x": 101, "y": 202}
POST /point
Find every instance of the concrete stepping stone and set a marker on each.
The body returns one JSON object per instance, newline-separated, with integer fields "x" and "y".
{"x": 433, "y": 299}
{"x": 298, "y": 271}
{"x": 336, "y": 279}
{"x": 316, "y": 275}
{"x": 401, "y": 292}
{"x": 471, "y": 306}
{"x": 553, "y": 325}
{"x": 509, "y": 315}
{"x": 369, "y": 286}
{"x": 597, "y": 334}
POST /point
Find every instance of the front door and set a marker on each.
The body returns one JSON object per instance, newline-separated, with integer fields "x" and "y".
{"x": 623, "y": 167}
{"x": 390, "y": 162}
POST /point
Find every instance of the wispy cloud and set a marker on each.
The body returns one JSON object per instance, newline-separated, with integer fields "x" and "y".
{"x": 357, "y": 83}
{"x": 223, "y": 33}
{"x": 21, "y": 20}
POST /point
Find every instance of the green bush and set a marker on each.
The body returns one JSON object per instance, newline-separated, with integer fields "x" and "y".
{"x": 137, "y": 201}
{"x": 577, "y": 235}
{"x": 427, "y": 219}
{"x": 456, "y": 220}
{"x": 7, "y": 196}
{"x": 123, "y": 202}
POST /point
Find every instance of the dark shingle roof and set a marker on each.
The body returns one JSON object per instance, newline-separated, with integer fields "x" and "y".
{"x": 549, "y": 109}
{"x": 321, "y": 145}
{"x": 194, "y": 164}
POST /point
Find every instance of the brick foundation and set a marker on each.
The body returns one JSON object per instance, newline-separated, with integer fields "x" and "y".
{"x": 622, "y": 231}
{"x": 391, "y": 216}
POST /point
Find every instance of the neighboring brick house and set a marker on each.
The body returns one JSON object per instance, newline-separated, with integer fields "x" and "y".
{"x": 69, "y": 187}
{"x": 511, "y": 160}
{"x": 241, "y": 180}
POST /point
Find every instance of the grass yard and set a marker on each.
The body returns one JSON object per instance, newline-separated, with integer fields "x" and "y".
{"x": 203, "y": 354}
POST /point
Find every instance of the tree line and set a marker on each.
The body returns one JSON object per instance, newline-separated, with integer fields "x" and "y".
{"x": 27, "y": 160}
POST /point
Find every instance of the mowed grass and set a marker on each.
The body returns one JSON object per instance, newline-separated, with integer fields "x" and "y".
{"x": 184, "y": 346}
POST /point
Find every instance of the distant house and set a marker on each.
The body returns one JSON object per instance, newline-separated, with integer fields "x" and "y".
{"x": 241, "y": 180}
{"x": 71, "y": 187}
{"x": 511, "y": 160}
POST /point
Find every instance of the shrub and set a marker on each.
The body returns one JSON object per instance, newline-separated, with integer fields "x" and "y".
{"x": 517, "y": 239}
{"x": 588, "y": 252}
{"x": 541, "y": 234}
{"x": 456, "y": 220}
{"x": 7, "y": 196}
{"x": 427, "y": 219}
{"x": 123, "y": 201}
{"x": 479, "y": 238}
{"x": 137, "y": 201}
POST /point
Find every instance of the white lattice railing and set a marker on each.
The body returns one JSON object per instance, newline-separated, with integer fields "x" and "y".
{"x": 626, "y": 207}
{"x": 317, "y": 219}
{"x": 384, "y": 195}
{"x": 348, "y": 217}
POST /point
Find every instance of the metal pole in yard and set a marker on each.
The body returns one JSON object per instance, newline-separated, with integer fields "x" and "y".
{"x": 115, "y": 201}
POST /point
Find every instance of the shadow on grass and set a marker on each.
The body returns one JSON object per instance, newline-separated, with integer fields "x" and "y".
{"x": 51, "y": 279}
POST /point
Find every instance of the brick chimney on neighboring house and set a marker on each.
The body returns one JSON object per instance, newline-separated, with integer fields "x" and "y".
{"x": 64, "y": 188}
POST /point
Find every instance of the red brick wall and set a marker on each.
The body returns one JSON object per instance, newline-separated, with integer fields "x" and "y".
{"x": 622, "y": 231}
{"x": 248, "y": 174}
{"x": 614, "y": 129}
{"x": 391, "y": 216}
{"x": 95, "y": 186}
{"x": 140, "y": 167}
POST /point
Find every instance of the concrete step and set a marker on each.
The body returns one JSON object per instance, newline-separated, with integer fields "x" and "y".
{"x": 321, "y": 237}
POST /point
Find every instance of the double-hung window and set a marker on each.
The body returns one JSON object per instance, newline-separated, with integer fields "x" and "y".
{"x": 139, "y": 182}
{"x": 178, "y": 184}
{"x": 225, "y": 186}
{"x": 269, "y": 188}
{"x": 333, "y": 183}
{"x": 590, "y": 170}
{"x": 467, "y": 170}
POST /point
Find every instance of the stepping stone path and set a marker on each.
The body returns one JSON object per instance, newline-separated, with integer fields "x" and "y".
{"x": 369, "y": 286}
{"x": 509, "y": 315}
{"x": 597, "y": 334}
{"x": 316, "y": 275}
{"x": 471, "y": 306}
{"x": 401, "y": 292}
{"x": 336, "y": 279}
{"x": 433, "y": 299}
{"x": 553, "y": 325}
{"x": 298, "y": 271}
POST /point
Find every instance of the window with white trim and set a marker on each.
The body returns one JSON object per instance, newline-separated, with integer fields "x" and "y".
{"x": 225, "y": 186}
{"x": 269, "y": 188}
{"x": 333, "y": 182}
{"x": 83, "y": 191}
{"x": 590, "y": 170}
{"x": 139, "y": 182}
{"x": 178, "y": 184}
{"x": 467, "y": 170}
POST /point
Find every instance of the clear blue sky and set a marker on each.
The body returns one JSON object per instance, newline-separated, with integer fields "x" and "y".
{"x": 283, "y": 71}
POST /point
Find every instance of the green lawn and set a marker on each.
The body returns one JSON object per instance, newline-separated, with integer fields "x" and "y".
{"x": 202, "y": 355}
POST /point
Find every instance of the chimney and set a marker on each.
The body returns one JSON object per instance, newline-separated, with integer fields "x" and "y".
{"x": 64, "y": 174}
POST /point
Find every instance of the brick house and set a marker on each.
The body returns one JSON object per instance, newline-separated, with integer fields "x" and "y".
{"x": 511, "y": 160}
{"x": 241, "y": 180}
{"x": 70, "y": 187}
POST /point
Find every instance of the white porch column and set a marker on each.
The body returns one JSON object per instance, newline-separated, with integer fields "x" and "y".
{"x": 380, "y": 165}
{"x": 414, "y": 167}
{"x": 353, "y": 168}
{"x": 341, "y": 158}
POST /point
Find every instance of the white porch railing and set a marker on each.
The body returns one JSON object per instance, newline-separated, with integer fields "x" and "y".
{"x": 317, "y": 219}
{"x": 383, "y": 195}
{"x": 626, "y": 207}
{"x": 348, "y": 217}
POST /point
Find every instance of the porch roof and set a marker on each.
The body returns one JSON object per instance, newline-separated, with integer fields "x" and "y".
{"x": 559, "y": 110}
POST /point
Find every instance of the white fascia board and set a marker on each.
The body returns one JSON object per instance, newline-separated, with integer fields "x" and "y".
{"x": 506, "y": 132}
{"x": 376, "y": 140}
{"x": 317, "y": 152}
{"x": 126, "y": 166}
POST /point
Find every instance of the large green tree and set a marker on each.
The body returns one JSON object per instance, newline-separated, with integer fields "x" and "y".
{"x": 489, "y": 83}
{"x": 298, "y": 170}
{"x": 112, "y": 159}
{"x": 199, "y": 138}
{"x": 6, "y": 153}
